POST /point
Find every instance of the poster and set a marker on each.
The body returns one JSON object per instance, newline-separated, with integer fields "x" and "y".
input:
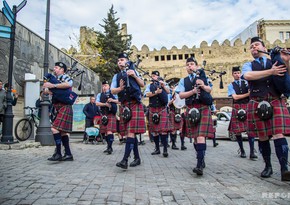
{"x": 78, "y": 116}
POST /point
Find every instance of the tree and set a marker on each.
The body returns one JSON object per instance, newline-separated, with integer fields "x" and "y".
{"x": 110, "y": 44}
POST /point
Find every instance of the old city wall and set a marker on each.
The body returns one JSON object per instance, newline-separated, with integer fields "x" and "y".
{"x": 29, "y": 58}
{"x": 220, "y": 57}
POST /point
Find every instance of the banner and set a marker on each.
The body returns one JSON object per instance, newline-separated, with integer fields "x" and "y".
{"x": 78, "y": 116}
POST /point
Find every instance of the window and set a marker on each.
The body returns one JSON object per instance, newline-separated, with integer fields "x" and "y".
{"x": 174, "y": 57}
{"x": 186, "y": 56}
{"x": 168, "y": 57}
{"x": 162, "y": 58}
{"x": 180, "y": 56}
{"x": 281, "y": 35}
{"x": 156, "y": 58}
{"x": 287, "y": 35}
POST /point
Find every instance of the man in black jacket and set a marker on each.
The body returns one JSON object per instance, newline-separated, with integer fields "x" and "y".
{"x": 90, "y": 110}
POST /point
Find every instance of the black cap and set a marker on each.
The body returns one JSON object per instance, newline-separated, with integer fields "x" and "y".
{"x": 255, "y": 39}
{"x": 235, "y": 69}
{"x": 105, "y": 82}
{"x": 123, "y": 55}
{"x": 155, "y": 73}
{"x": 61, "y": 65}
{"x": 191, "y": 59}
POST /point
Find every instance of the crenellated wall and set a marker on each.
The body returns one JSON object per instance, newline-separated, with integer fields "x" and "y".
{"x": 218, "y": 56}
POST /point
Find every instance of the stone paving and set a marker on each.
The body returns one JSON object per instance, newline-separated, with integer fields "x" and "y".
{"x": 26, "y": 177}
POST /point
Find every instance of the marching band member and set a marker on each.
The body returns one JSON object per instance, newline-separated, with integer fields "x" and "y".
{"x": 191, "y": 88}
{"x": 62, "y": 124}
{"x": 157, "y": 91}
{"x": 127, "y": 85}
{"x": 107, "y": 103}
{"x": 239, "y": 91}
{"x": 267, "y": 112}
{"x": 175, "y": 120}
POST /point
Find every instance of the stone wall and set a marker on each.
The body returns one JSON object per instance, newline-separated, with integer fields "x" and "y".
{"x": 29, "y": 58}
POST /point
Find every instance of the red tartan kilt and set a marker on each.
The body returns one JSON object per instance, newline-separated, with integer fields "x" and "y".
{"x": 204, "y": 128}
{"x": 172, "y": 124}
{"x": 163, "y": 125}
{"x": 137, "y": 123}
{"x": 279, "y": 124}
{"x": 111, "y": 126}
{"x": 64, "y": 117}
{"x": 237, "y": 126}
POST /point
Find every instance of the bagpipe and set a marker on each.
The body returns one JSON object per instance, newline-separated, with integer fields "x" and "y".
{"x": 66, "y": 96}
{"x": 282, "y": 83}
{"x": 131, "y": 85}
{"x": 113, "y": 108}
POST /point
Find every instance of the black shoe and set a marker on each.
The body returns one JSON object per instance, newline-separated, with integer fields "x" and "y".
{"x": 242, "y": 153}
{"x": 168, "y": 145}
{"x": 143, "y": 142}
{"x": 215, "y": 144}
{"x": 105, "y": 151}
{"x": 253, "y": 156}
{"x": 155, "y": 152}
{"x": 174, "y": 147}
{"x": 267, "y": 172}
{"x": 165, "y": 154}
{"x": 198, "y": 171}
{"x": 135, "y": 163}
{"x": 67, "y": 158}
{"x": 183, "y": 147}
{"x": 123, "y": 164}
{"x": 110, "y": 150}
{"x": 55, "y": 157}
{"x": 285, "y": 176}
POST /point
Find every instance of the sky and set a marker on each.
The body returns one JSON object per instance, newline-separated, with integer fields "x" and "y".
{"x": 156, "y": 23}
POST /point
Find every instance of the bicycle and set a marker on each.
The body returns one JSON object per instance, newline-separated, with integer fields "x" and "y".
{"x": 23, "y": 128}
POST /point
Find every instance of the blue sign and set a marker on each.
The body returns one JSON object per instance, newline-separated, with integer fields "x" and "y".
{"x": 5, "y": 32}
{"x": 7, "y": 15}
{"x": 8, "y": 9}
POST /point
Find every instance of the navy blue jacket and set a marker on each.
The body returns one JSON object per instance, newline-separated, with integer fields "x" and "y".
{"x": 91, "y": 110}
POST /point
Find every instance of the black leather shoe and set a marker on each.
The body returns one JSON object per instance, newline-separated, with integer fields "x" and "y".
{"x": 243, "y": 155}
{"x": 183, "y": 147}
{"x": 285, "y": 176}
{"x": 105, "y": 151}
{"x": 67, "y": 158}
{"x": 215, "y": 144}
{"x": 198, "y": 171}
{"x": 55, "y": 157}
{"x": 253, "y": 156}
{"x": 165, "y": 154}
{"x": 123, "y": 164}
{"x": 267, "y": 172}
{"x": 155, "y": 152}
{"x": 135, "y": 163}
{"x": 174, "y": 147}
{"x": 110, "y": 150}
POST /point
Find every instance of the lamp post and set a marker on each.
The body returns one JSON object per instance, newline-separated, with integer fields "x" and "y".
{"x": 7, "y": 135}
{"x": 43, "y": 132}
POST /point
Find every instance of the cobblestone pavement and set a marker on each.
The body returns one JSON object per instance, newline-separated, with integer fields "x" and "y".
{"x": 26, "y": 177}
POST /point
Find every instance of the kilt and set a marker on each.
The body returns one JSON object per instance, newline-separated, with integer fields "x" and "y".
{"x": 63, "y": 118}
{"x": 137, "y": 123}
{"x": 173, "y": 126}
{"x": 204, "y": 128}
{"x": 163, "y": 125}
{"x": 111, "y": 126}
{"x": 237, "y": 126}
{"x": 278, "y": 124}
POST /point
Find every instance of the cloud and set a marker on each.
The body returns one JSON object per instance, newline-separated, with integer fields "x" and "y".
{"x": 154, "y": 23}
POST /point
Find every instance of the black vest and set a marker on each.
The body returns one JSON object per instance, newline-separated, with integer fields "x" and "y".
{"x": 129, "y": 93}
{"x": 241, "y": 90}
{"x": 189, "y": 86}
{"x": 104, "y": 109}
{"x": 160, "y": 99}
{"x": 264, "y": 86}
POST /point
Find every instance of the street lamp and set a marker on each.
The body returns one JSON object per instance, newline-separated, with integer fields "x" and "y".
{"x": 43, "y": 132}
